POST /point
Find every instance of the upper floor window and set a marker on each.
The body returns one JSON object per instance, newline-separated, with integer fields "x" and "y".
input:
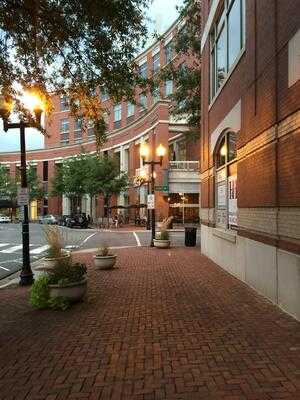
{"x": 118, "y": 112}
{"x": 156, "y": 95}
{"x": 104, "y": 94}
{"x": 90, "y": 128}
{"x": 78, "y": 124}
{"x": 130, "y": 109}
{"x": 156, "y": 62}
{"x": 227, "y": 40}
{"x": 143, "y": 102}
{"x": 168, "y": 88}
{"x": 64, "y": 103}
{"x": 143, "y": 70}
{"x": 64, "y": 125}
{"x": 226, "y": 179}
{"x": 168, "y": 52}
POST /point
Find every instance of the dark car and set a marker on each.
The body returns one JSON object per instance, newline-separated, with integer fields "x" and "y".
{"x": 62, "y": 220}
{"x": 77, "y": 221}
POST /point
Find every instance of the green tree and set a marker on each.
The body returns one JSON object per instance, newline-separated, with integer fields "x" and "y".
{"x": 186, "y": 99}
{"x": 69, "y": 180}
{"x": 35, "y": 186}
{"x": 71, "y": 47}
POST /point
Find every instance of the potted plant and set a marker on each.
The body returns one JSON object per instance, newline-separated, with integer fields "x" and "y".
{"x": 162, "y": 239}
{"x": 65, "y": 284}
{"x": 55, "y": 252}
{"x": 103, "y": 259}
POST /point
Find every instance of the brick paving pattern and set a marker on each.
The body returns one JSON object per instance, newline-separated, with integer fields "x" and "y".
{"x": 165, "y": 324}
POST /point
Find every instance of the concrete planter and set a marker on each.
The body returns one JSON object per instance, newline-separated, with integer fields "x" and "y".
{"x": 72, "y": 291}
{"x": 105, "y": 262}
{"x": 49, "y": 263}
{"x": 161, "y": 244}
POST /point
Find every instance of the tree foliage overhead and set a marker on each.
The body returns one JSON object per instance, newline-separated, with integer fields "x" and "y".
{"x": 185, "y": 69}
{"x": 73, "y": 47}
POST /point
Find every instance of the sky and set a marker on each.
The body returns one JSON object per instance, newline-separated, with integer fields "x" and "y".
{"x": 162, "y": 13}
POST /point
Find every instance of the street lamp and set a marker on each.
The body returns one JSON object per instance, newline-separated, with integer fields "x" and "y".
{"x": 32, "y": 103}
{"x": 145, "y": 180}
{"x": 144, "y": 153}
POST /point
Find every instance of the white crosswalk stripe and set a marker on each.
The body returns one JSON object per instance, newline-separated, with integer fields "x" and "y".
{"x": 13, "y": 249}
{"x": 39, "y": 250}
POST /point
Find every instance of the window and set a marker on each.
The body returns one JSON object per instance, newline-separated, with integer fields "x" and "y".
{"x": 64, "y": 125}
{"x": 168, "y": 52}
{"x": 227, "y": 40}
{"x": 156, "y": 62}
{"x": 117, "y": 112}
{"x": 143, "y": 102}
{"x": 130, "y": 109}
{"x": 226, "y": 179}
{"x": 143, "y": 70}
{"x": 156, "y": 95}
{"x": 104, "y": 94}
{"x": 90, "y": 128}
{"x": 64, "y": 103}
{"x": 78, "y": 124}
{"x": 168, "y": 88}
{"x": 294, "y": 59}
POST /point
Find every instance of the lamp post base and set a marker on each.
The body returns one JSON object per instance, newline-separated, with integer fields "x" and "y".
{"x": 26, "y": 278}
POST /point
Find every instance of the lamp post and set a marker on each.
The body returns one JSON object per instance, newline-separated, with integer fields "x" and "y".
{"x": 145, "y": 180}
{"x": 144, "y": 153}
{"x": 33, "y": 103}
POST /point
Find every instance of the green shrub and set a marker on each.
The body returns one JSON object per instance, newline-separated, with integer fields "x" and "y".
{"x": 59, "y": 303}
{"x": 64, "y": 272}
{"x": 39, "y": 294}
{"x": 162, "y": 235}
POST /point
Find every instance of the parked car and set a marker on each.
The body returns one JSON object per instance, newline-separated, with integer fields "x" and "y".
{"x": 62, "y": 220}
{"x": 4, "y": 219}
{"x": 77, "y": 221}
{"x": 48, "y": 219}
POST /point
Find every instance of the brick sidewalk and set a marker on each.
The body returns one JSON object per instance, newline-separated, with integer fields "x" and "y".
{"x": 164, "y": 325}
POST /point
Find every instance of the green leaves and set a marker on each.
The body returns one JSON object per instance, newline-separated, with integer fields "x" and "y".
{"x": 89, "y": 174}
{"x": 72, "y": 47}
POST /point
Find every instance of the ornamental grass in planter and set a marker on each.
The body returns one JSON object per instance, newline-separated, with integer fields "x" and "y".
{"x": 103, "y": 259}
{"x": 55, "y": 252}
{"x": 65, "y": 284}
{"x": 162, "y": 240}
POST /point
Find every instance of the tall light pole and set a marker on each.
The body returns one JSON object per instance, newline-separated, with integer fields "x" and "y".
{"x": 144, "y": 153}
{"x": 33, "y": 103}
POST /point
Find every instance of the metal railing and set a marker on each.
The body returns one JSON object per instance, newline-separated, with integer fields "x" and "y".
{"x": 184, "y": 165}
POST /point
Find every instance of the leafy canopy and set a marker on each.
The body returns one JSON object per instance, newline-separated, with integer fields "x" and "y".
{"x": 185, "y": 69}
{"x": 71, "y": 47}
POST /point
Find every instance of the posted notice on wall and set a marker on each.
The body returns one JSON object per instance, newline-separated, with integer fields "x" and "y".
{"x": 232, "y": 201}
{"x": 151, "y": 201}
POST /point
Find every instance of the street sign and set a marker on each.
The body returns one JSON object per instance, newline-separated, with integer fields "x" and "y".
{"x": 23, "y": 198}
{"x": 163, "y": 188}
{"x": 151, "y": 201}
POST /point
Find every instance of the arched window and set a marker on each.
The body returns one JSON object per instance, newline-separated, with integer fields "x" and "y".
{"x": 225, "y": 193}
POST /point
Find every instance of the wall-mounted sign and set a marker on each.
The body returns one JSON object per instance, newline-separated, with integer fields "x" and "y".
{"x": 23, "y": 197}
{"x": 232, "y": 201}
{"x": 221, "y": 195}
{"x": 151, "y": 201}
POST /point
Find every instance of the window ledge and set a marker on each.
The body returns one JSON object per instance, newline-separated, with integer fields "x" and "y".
{"x": 225, "y": 234}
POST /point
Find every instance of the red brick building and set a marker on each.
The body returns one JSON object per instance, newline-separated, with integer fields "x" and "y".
{"x": 250, "y": 144}
{"x": 128, "y": 125}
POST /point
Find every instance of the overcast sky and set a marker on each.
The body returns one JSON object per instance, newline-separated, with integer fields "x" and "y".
{"x": 162, "y": 14}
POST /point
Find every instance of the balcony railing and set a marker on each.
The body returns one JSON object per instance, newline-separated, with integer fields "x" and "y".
{"x": 184, "y": 165}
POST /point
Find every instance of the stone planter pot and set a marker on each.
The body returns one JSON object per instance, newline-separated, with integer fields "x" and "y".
{"x": 49, "y": 263}
{"x": 72, "y": 291}
{"x": 105, "y": 262}
{"x": 161, "y": 244}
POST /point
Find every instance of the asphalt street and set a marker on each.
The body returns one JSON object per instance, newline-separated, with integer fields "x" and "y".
{"x": 11, "y": 242}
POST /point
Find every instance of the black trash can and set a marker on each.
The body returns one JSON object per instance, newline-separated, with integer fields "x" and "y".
{"x": 190, "y": 237}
